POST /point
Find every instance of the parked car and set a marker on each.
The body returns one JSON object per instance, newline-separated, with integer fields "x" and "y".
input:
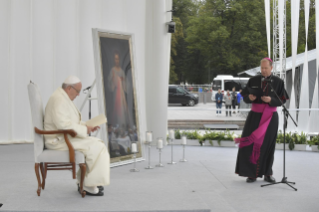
{"x": 177, "y": 94}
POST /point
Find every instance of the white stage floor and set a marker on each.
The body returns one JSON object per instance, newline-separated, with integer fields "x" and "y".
{"x": 206, "y": 182}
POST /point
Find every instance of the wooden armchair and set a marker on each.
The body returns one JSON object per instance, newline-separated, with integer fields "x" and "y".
{"x": 46, "y": 159}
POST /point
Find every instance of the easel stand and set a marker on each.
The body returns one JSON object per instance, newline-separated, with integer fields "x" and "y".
{"x": 286, "y": 114}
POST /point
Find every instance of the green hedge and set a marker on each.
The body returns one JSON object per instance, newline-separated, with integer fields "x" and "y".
{"x": 292, "y": 139}
{"x": 207, "y": 136}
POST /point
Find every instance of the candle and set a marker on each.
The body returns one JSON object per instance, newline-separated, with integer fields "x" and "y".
{"x": 172, "y": 134}
{"x": 134, "y": 147}
{"x": 149, "y": 136}
{"x": 184, "y": 140}
{"x": 159, "y": 143}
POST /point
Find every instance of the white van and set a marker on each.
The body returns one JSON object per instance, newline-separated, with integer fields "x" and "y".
{"x": 227, "y": 82}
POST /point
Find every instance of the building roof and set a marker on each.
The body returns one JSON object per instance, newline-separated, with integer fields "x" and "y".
{"x": 299, "y": 60}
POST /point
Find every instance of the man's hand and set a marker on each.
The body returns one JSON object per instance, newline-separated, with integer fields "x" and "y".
{"x": 252, "y": 97}
{"x": 266, "y": 99}
{"x": 95, "y": 128}
{"x": 89, "y": 129}
{"x": 92, "y": 129}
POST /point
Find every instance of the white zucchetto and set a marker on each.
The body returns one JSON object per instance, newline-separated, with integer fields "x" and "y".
{"x": 70, "y": 80}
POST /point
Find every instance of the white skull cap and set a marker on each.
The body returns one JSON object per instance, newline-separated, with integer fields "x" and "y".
{"x": 70, "y": 80}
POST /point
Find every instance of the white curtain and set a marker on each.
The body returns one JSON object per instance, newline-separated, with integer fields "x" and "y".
{"x": 303, "y": 117}
{"x": 295, "y": 5}
{"x": 45, "y": 41}
{"x": 279, "y": 64}
{"x": 314, "y": 115}
{"x": 267, "y": 16}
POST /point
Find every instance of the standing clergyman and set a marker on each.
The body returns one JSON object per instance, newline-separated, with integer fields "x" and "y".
{"x": 257, "y": 143}
{"x": 61, "y": 113}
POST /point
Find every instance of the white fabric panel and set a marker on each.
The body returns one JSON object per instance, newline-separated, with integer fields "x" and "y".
{"x": 45, "y": 41}
{"x": 307, "y": 5}
{"x": 267, "y": 16}
{"x": 295, "y": 5}
{"x": 66, "y": 54}
{"x": 133, "y": 8}
{"x": 43, "y": 47}
{"x": 303, "y": 117}
{"x": 5, "y": 112}
{"x": 89, "y": 17}
{"x": 314, "y": 115}
{"x": 156, "y": 73}
{"x": 115, "y": 17}
{"x": 281, "y": 8}
{"x": 20, "y": 58}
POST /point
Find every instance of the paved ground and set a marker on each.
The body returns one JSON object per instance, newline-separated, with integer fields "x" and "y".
{"x": 201, "y": 111}
{"x": 206, "y": 181}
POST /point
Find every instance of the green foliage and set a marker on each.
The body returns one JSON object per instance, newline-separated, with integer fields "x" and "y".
{"x": 314, "y": 141}
{"x": 177, "y": 134}
{"x": 179, "y": 34}
{"x": 280, "y": 137}
{"x": 292, "y": 138}
{"x": 208, "y": 136}
{"x": 226, "y": 37}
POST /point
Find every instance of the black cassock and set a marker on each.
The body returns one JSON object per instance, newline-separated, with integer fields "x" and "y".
{"x": 264, "y": 165}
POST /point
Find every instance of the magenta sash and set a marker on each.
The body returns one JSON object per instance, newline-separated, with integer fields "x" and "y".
{"x": 257, "y": 137}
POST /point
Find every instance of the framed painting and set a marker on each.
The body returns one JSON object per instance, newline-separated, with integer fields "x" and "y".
{"x": 116, "y": 81}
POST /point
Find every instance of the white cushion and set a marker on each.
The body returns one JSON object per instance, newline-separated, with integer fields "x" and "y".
{"x": 37, "y": 114}
{"x": 59, "y": 156}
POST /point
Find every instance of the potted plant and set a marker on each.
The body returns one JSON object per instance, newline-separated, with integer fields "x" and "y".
{"x": 314, "y": 143}
{"x": 227, "y": 140}
{"x": 280, "y": 141}
{"x": 300, "y": 141}
{"x": 193, "y": 138}
{"x": 212, "y": 137}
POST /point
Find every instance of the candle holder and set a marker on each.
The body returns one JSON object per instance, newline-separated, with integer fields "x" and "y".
{"x": 184, "y": 142}
{"x": 183, "y": 160}
{"x": 134, "y": 164}
{"x": 160, "y": 159}
{"x": 148, "y": 143}
{"x": 172, "y": 161}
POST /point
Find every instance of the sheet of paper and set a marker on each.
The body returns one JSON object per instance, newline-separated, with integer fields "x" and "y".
{"x": 96, "y": 121}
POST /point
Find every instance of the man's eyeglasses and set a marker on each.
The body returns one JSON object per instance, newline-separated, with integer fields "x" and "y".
{"x": 78, "y": 91}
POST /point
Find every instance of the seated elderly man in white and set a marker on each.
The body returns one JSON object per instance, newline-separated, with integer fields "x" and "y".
{"x": 61, "y": 113}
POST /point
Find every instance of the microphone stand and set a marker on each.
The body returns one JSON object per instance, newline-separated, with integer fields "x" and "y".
{"x": 84, "y": 91}
{"x": 286, "y": 114}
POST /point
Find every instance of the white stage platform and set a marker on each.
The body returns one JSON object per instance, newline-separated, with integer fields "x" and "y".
{"x": 206, "y": 182}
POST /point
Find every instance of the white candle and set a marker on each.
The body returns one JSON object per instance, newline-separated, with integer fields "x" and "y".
{"x": 159, "y": 143}
{"x": 149, "y": 136}
{"x": 134, "y": 147}
{"x": 184, "y": 142}
{"x": 172, "y": 134}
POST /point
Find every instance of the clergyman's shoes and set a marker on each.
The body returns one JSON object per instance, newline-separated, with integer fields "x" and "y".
{"x": 100, "y": 193}
{"x": 101, "y": 188}
{"x": 269, "y": 179}
{"x": 250, "y": 180}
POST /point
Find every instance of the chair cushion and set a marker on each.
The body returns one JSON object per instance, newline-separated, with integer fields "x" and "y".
{"x": 37, "y": 114}
{"x": 49, "y": 155}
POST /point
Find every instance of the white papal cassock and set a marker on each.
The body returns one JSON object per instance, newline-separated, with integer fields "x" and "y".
{"x": 61, "y": 113}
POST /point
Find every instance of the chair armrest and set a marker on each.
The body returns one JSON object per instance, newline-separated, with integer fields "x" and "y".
{"x": 72, "y": 133}
{"x": 43, "y": 132}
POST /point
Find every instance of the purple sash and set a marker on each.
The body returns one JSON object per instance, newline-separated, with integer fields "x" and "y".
{"x": 257, "y": 137}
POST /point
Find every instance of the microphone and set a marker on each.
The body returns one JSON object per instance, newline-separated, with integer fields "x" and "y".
{"x": 88, "y": 88}
{"x": 266, "y": 80}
